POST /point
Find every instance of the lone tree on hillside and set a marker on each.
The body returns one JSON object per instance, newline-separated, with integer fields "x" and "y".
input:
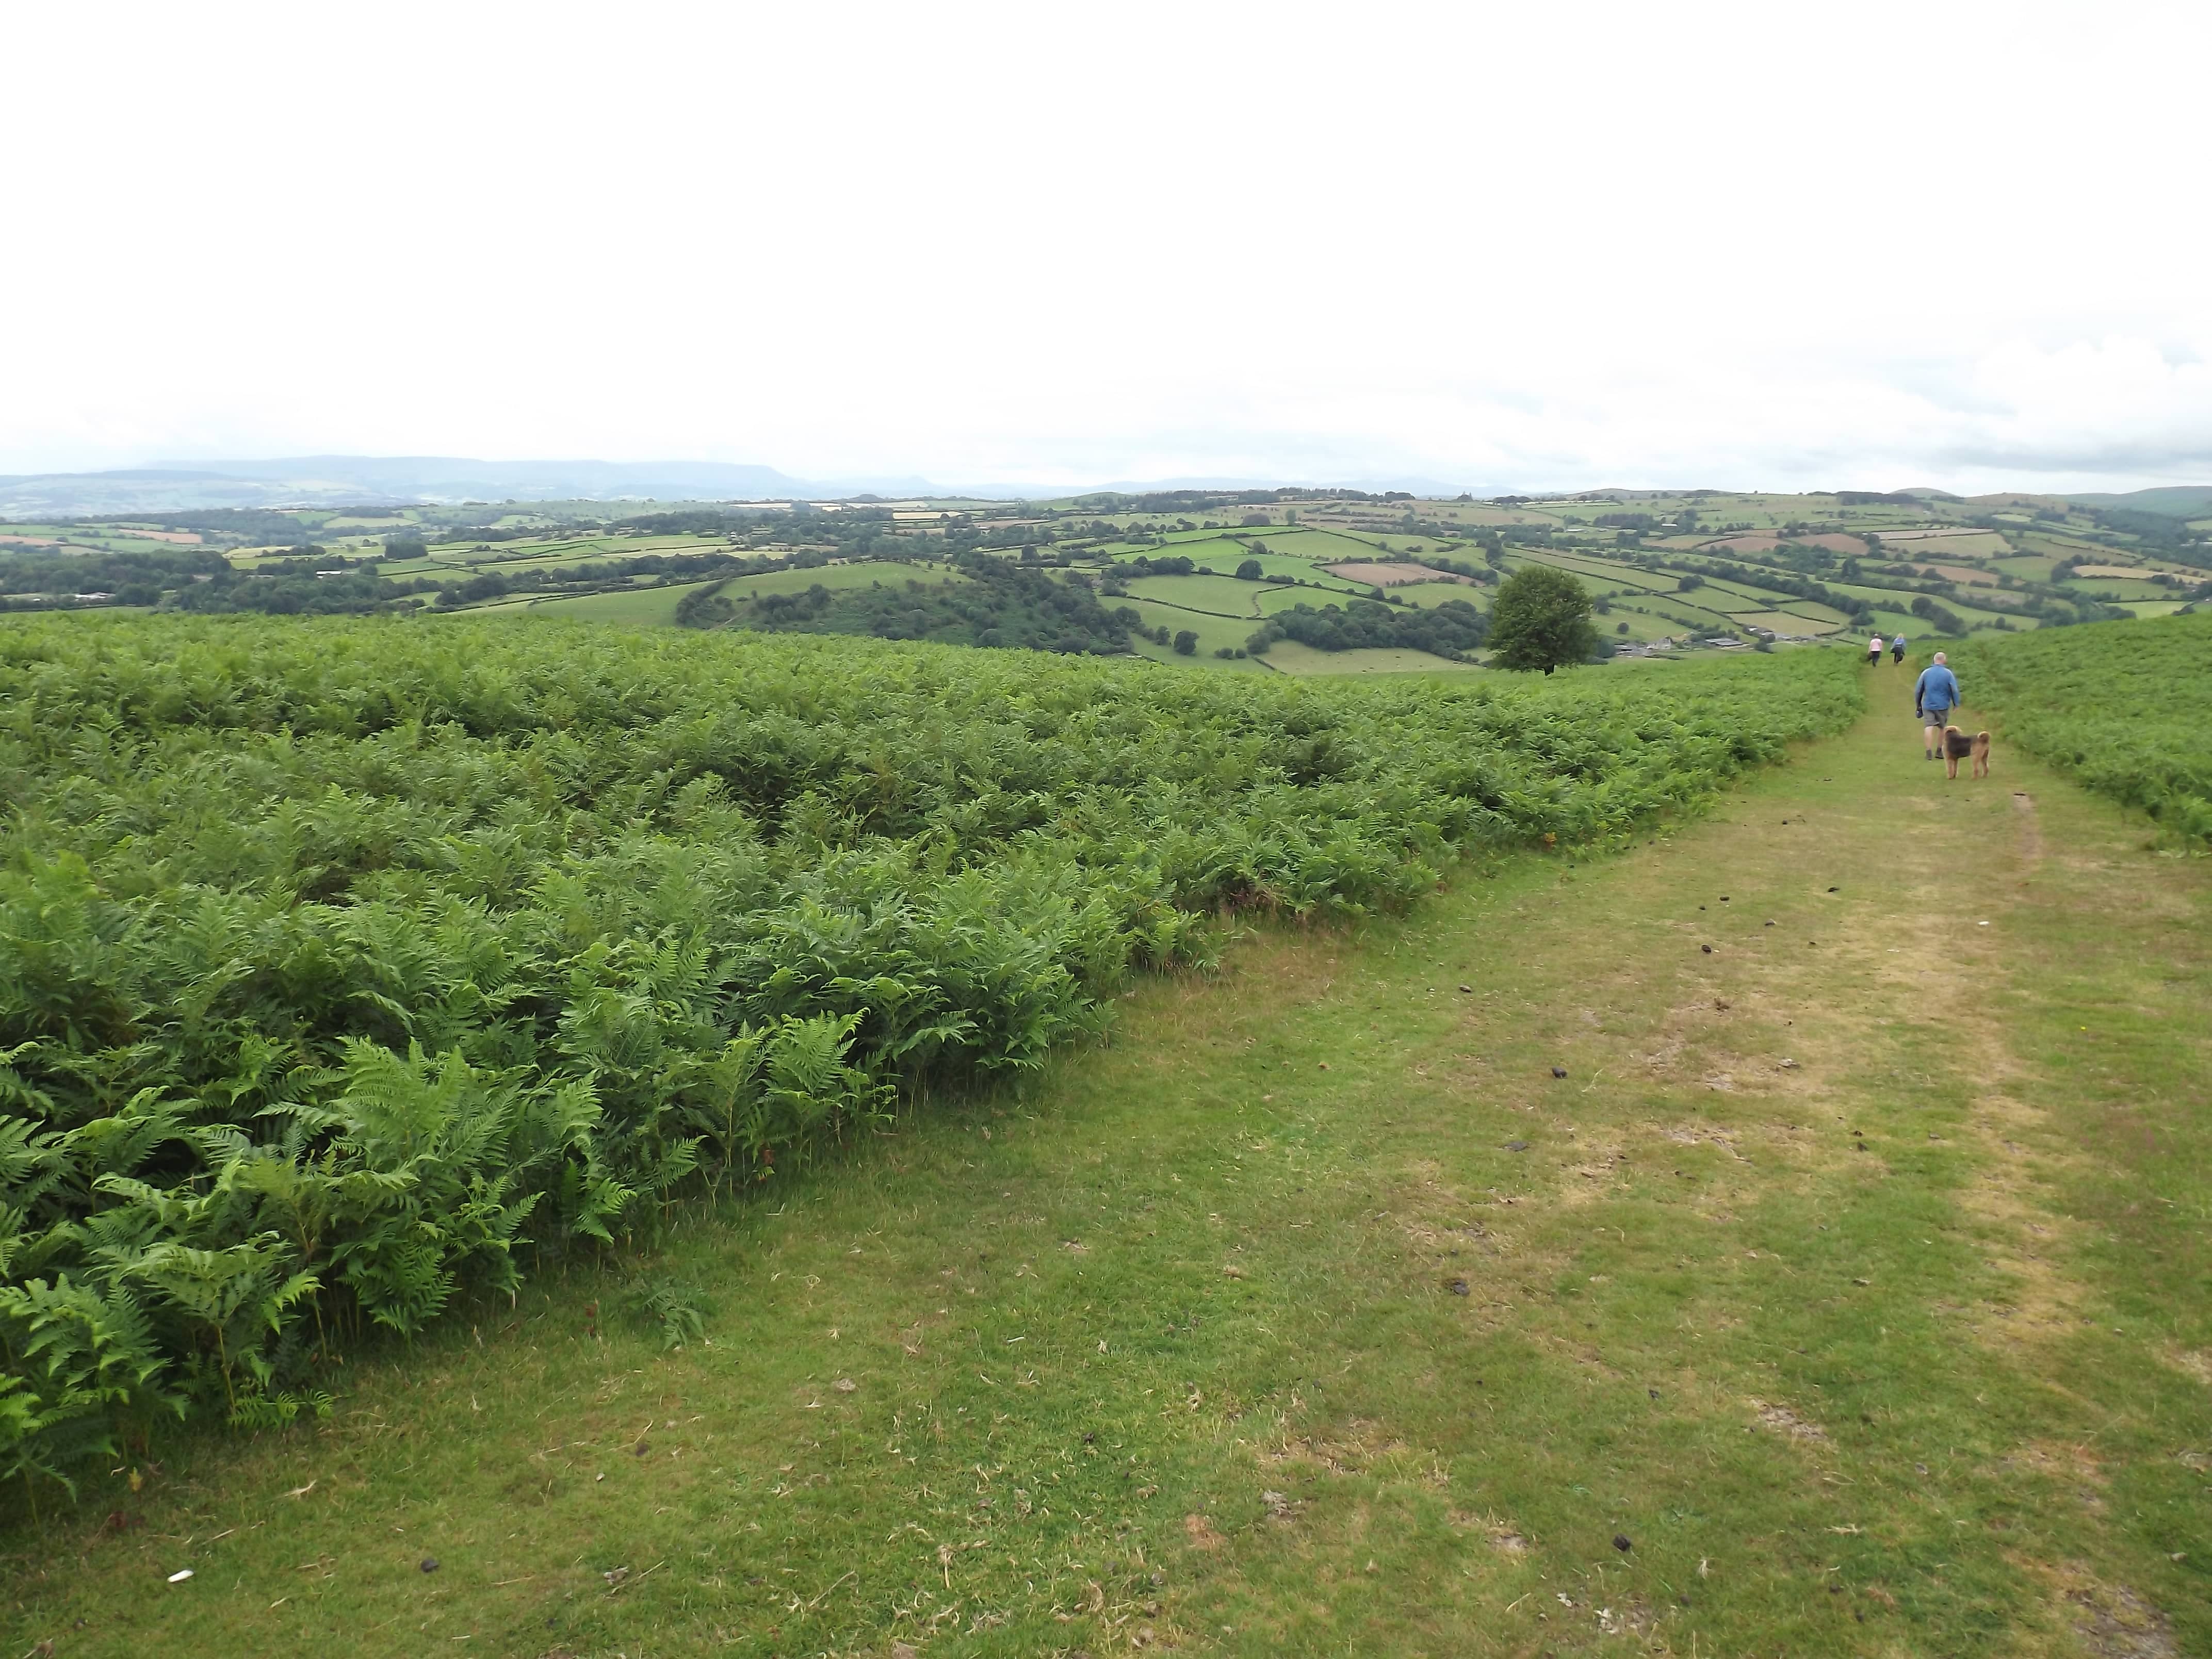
{"x": 1541, "y": 619}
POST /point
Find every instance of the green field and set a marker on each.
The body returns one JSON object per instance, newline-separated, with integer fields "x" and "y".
{"x": 1289, "y": 657}
{"x": 641, "y": 607}
{"x": 1427, "y": 594}
{"x": 2126, "y": 707}
{"x": 1224, "y": 596}
{"x": 834, "y": 577}
{"x": 1568, "y": 1215}
{"x": 1152, "y": 651}
{"x": 1272, "y": 599}
{"x": 1215, "y": 630}
{"x": 1319, "y": 546}
{"x": 1295, "y": 547}
{"x": 1276, "y": 567}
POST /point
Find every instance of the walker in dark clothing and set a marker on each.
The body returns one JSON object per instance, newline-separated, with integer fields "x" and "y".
{"x": 1896, "y": 649}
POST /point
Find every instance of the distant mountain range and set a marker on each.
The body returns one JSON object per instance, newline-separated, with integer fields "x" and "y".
{"x": 397, "y": 480}
{"x": 347, "y": 480}
{"x": 350, "y": 480}
{"x": 2175, "y": 501}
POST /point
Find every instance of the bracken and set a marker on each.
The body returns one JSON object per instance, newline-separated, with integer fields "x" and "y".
{"x": 345, "y": 964}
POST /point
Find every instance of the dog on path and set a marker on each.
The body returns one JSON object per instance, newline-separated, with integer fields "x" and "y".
{"x": 1957, "y": 746}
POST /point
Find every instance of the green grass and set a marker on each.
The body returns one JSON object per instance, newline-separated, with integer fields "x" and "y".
{"x": 1318, "y": 546}
{"x": 1807, "y": 621}
{"x": 1287, "y": 551}
{"x": 1679, "y": 614}
{"x": 1884, "y": 1351}
{"x": 1609, "y": 573}
{"x": 1641, "y": 625}
{"x": 1435, "y": 594}
{"x": 1213, "y": 631}
{"x": 2125, "y": 707}
{"x": 405, "y": 569}
{"x": 1289, "y": 657}
{"x": 641, "y": 607}
{"x": 1224, "y": 596}
{"x": 1327, "y": 590}
{"x": 837, "y": 576}
{"x": 1279, "y": 567}
{"x": 1152, "y": 651}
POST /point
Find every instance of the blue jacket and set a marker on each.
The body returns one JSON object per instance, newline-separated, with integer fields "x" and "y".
{"x": 1936, "y": 690}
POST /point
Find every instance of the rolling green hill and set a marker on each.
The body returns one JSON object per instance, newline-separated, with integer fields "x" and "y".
{"x": 1681, "y": 569}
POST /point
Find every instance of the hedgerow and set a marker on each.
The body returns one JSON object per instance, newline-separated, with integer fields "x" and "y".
{"x": 2125, "y": 707}
{"x": 349, "y": 965}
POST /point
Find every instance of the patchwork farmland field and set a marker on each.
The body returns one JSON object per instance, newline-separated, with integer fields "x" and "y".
{"x": 1683, "y": 571}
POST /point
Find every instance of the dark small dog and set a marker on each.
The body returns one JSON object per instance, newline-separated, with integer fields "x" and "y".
{"x": 1957, "y": 746}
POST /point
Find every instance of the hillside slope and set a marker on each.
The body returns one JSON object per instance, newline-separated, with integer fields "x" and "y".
{"x": 1848, "y": 1294}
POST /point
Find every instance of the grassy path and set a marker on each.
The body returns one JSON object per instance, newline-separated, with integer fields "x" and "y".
{"x": 1850, "y": 1293}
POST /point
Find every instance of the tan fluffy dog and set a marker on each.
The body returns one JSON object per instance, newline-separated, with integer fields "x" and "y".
{"x": 1957, "y": 746}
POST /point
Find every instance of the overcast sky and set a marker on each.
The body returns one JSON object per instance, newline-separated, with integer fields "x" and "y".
{"x": 1512, "y": 245}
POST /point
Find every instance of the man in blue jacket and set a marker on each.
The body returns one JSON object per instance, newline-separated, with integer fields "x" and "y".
{"x": 1935, "y": 695}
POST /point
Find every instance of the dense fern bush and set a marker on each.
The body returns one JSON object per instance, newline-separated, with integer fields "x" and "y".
{"x": 345, "y": 965}
{"x": 2125, "y": 707}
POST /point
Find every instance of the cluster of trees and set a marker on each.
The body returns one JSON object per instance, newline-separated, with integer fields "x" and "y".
{"x": 694, "y": 521}
{"x": 287, "y": 593}
{"x": 1201, "y": 501}
{"x": 2169, "y": 537}
{"x": 1449, "y": 630}
{"x": 1937, "y": 616}
{"x": 240, "y": 526}
{"x": 130, "y": 578}
{"x": 706, "y": 606}
{"x": 1000, "y": 605}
